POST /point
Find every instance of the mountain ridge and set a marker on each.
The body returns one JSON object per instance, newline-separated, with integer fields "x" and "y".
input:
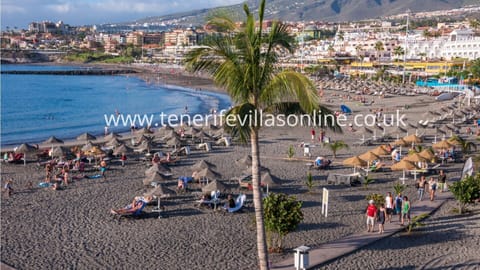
{"x": 313, "y": 10}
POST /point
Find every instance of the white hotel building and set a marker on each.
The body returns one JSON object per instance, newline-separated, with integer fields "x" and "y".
{"x": 460, "y": 43}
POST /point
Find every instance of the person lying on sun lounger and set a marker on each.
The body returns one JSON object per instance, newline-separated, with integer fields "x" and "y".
{"x": 137, "y": 204}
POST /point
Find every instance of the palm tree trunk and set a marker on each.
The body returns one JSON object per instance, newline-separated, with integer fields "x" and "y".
{"x": 258, "y": 203}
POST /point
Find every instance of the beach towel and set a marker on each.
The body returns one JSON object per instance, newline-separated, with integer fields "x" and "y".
{"x": 44, "y": 184}
{"x": 95, "y": 176}
{"x": 186, "y": 179}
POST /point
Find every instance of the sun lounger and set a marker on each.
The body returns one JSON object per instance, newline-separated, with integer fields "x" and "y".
{"x": 239, "y": 202}
{"x": 132, "y": 213}
{"x": 213, "y": 201}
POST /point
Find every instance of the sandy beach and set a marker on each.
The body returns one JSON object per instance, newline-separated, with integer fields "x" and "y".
{"x": 74, "y": 229}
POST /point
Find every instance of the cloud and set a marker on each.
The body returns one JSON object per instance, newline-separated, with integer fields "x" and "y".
{"x": 60, "y": 8}
{"x": 75, "y": 12}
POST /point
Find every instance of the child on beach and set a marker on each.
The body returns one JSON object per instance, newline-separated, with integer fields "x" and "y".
{"x": 103, "y": 168}
{"x": 8, "y": 187}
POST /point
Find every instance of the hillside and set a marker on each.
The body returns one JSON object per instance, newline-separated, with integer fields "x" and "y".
{"x": 322, "y": 10}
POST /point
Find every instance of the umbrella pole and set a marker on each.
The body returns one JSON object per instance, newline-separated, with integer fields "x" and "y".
{"x": 267, "y": 189}
{"x": 25, "y": 159}
{"x": 159, "y": 209}
{"x": 403, "y": 178}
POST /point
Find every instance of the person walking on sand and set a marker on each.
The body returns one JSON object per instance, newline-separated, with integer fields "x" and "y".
{"x": 8, "y": 187}
{"x": 432, "y": 187}
{"x": 382, "y": 214}
{"x": 389, "y": 206}
{"x": 312, "y": 132}
{"x": 123, "y": 158}
{"x": 405, "y": 210}
{"x": 65, "y": 175}
{"x": 421, "y": 187}
{"x": 103, "y": 168}
{"x": 398, "y": 206}
{"x": 371, "y": 214}
{"x": 442, "y": 181}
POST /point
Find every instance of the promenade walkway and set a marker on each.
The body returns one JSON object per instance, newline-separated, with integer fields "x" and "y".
{"x": 341, "y": 247}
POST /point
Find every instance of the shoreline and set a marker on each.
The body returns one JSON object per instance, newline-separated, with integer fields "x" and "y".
{"x": 149, "y": 74}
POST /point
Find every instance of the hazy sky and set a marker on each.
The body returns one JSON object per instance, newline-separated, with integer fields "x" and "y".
{"x": 20, "y": 13}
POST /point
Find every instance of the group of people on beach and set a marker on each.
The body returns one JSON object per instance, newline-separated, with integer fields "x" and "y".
{"x": 432, "y": 184}
{"x": 400, "y": 205}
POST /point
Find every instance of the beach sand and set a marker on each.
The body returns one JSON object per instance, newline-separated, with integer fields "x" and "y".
{"x": 73, "y": 228}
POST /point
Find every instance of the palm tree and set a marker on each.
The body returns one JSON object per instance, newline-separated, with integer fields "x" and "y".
{"x": 398, "y": 51}
{"x": 331, "y": 50}
{"x": 242, "y": 60}
{"x": 465, "y": 145}
{"x": 336, "y": 146}
{"x": 379, "y": 47}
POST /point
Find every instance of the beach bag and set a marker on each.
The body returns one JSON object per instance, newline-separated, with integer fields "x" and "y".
{"x": 417, "y": 185}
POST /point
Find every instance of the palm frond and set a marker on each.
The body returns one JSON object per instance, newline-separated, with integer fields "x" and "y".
{"x": 291, "y": 85}
{"x": 240, "y": 120}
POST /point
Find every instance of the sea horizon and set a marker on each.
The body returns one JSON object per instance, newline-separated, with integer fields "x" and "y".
{"x": 35, "y": 107}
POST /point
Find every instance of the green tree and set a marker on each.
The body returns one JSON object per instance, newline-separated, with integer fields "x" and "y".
{"x": 466, "y": 191}
{"x": 336, "y": 146}
{"x": 475, "y": 68}
{"x": 309, "y": 182}
{"x": 465, "y": 145}
{"x": 282, "y": 215}
{"x": 331, "y": 50}
{"x": 399, "y": 188}
{"x": 398, "y": 51}
{"x": 242, "y": 60}
{"x": 379, "y": 48}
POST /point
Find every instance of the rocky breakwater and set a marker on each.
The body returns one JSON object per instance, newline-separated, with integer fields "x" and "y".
{"x": 72, "y": 72}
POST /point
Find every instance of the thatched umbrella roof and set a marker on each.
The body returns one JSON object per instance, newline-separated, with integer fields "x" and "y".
{"x": 427, "y": 154}
{"x": 143, "y": 131}
{"x": 60, "y": 151}
{"x": 416, "y": 157}
{"x": 380, "y": 151}
{"x": 114, "y": 142}
{"x": 86, "y": 137}
{"x": 400, "y": 142}
{"x": 112, "y": 135}
{"x": 157, "y": 168}
{"x": 87, "y": 147}
{"x": 443, "y": 144}
{"x": 25, "y": 148}
{"x": 207, "y": 173}
{"x": 246, "y": 161}
{"x": 202, "y": 164}
{"x": 355, "y": 161}
{"x": 155, "y": 177}
{"x": 122, "y": 149}
{"x": 403, "y": 165}
{"x": 268, "y": 179}
{"x": 53, "y": 140}
{"x": 369, "y": 156}
{"x": 160, "y": 191}
{"x": 412, "y": 139}
{"x": 214, "y": 186}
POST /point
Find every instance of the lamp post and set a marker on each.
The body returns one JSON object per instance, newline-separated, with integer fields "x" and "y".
{"x": 406, "y": 44}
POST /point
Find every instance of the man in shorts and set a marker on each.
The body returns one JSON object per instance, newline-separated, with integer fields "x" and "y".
{"x": 371, "y": 214}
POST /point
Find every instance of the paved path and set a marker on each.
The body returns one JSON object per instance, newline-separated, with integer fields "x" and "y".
{"x": 330, "y": 251}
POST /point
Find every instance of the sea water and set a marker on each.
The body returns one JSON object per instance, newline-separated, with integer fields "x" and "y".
{"x": 35, "y": 107}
